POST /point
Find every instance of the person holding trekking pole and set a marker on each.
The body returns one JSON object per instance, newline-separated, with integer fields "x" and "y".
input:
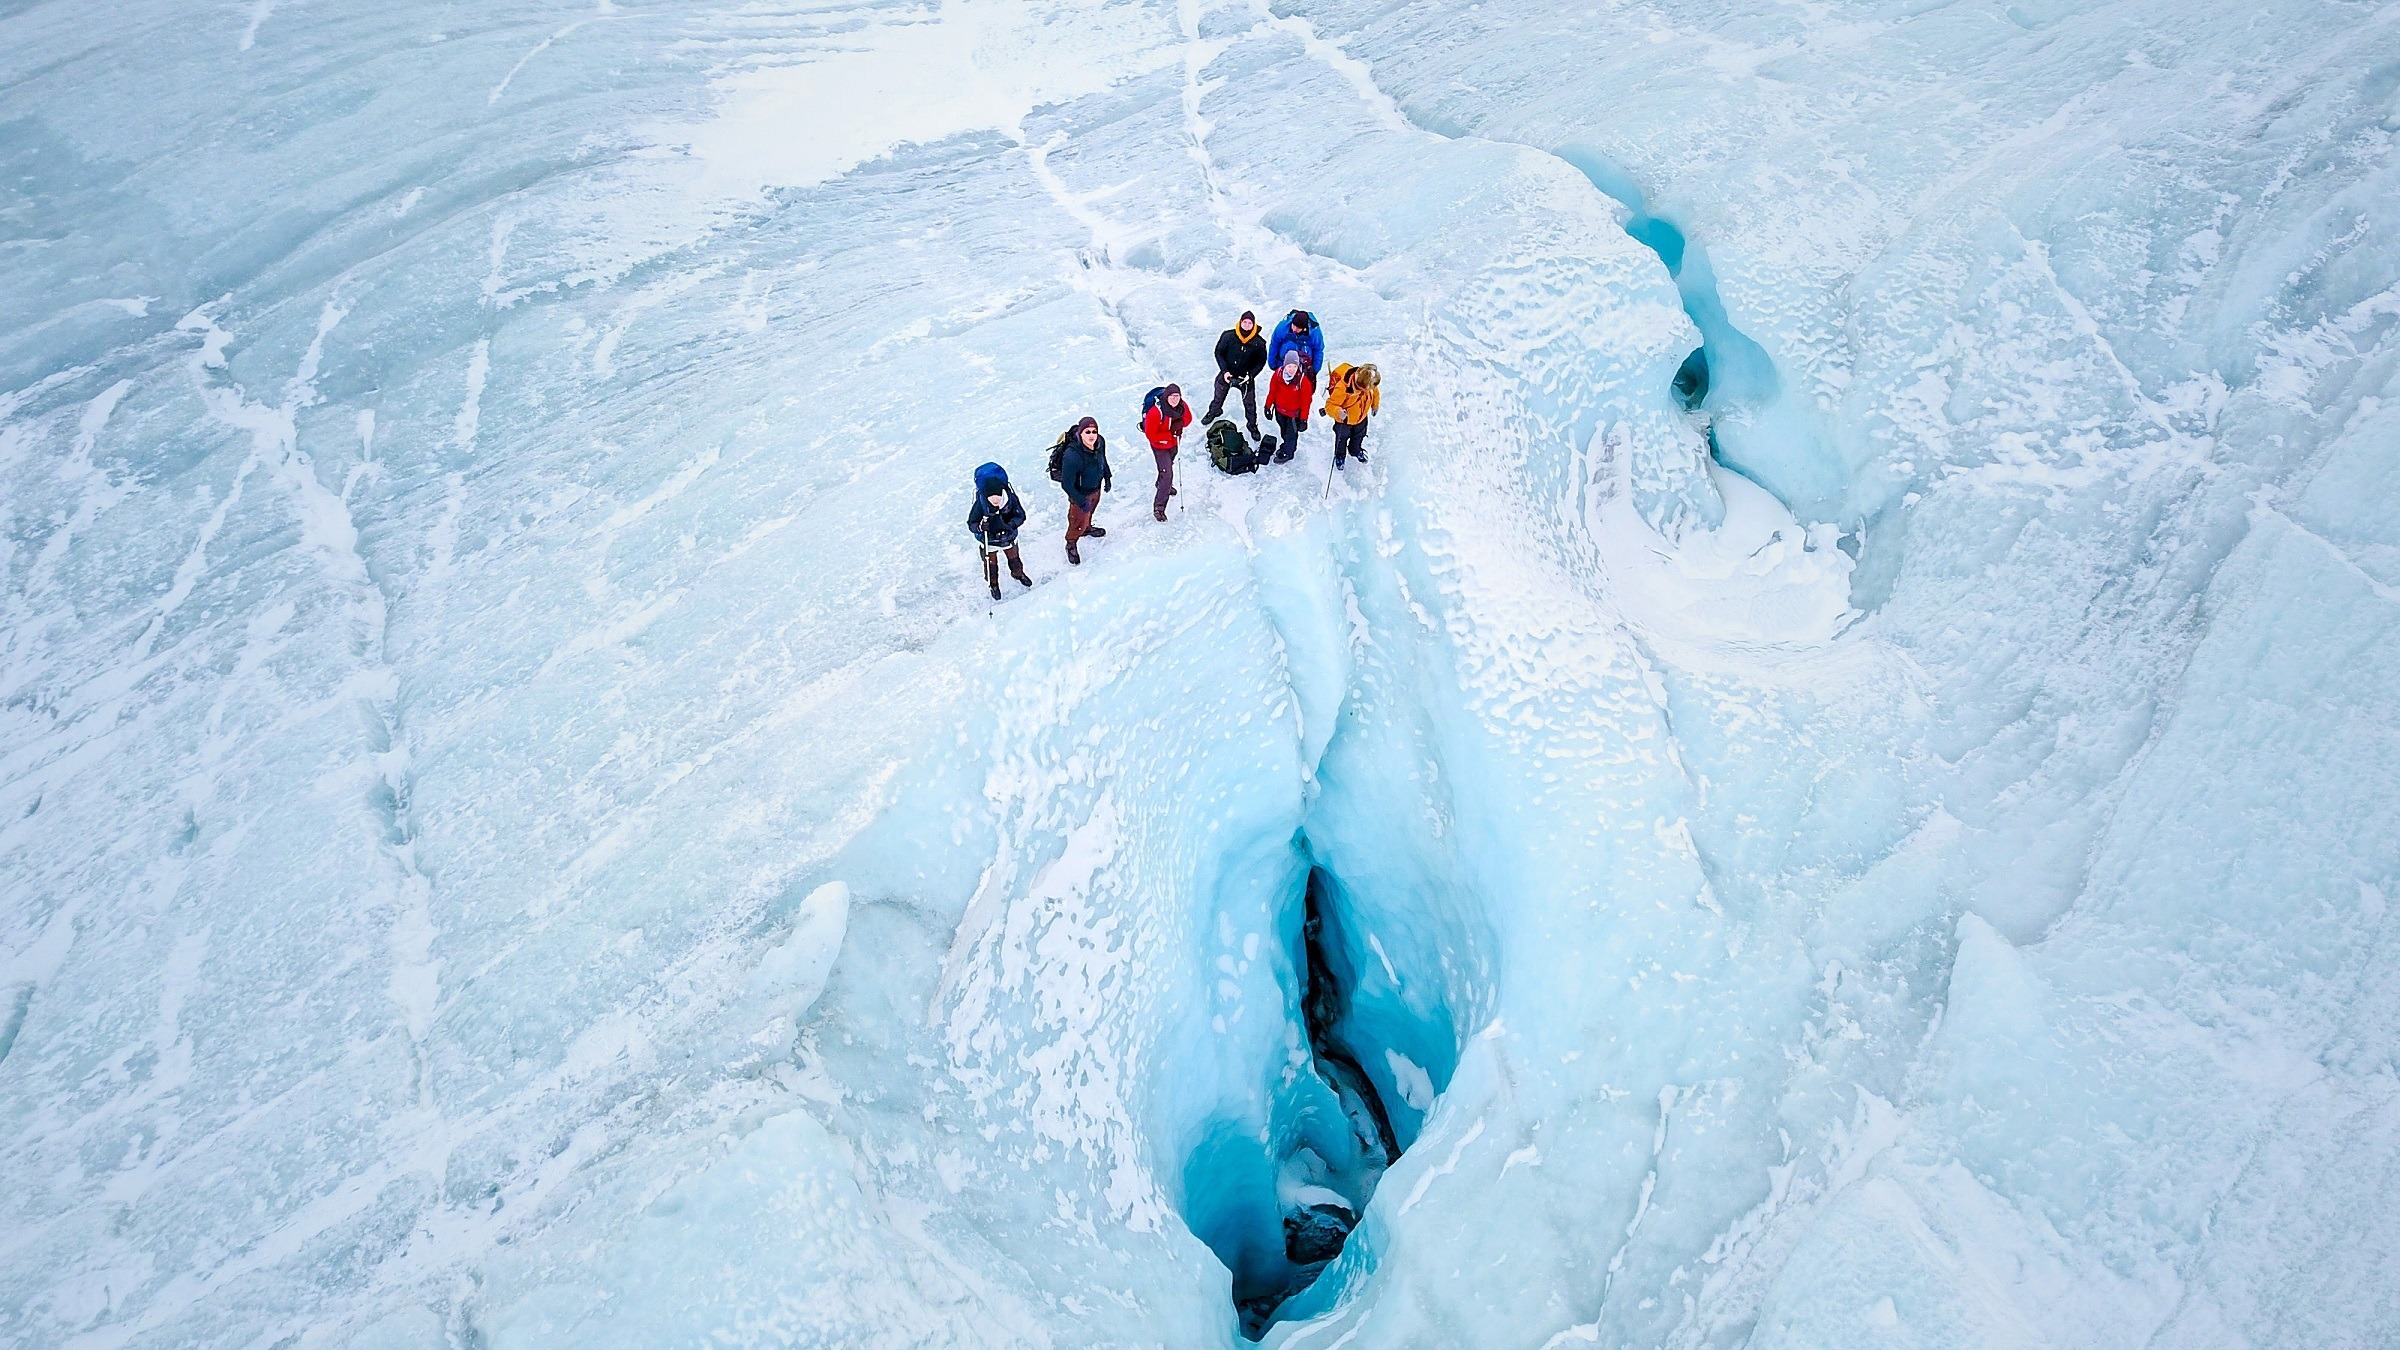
{"x": 994, "y": 518}
{"x": 1241, "y": 356}
{"x": 1164, "y": 416}
{"x": 1080, "y": 464}
{"x": 1352, "y": 395}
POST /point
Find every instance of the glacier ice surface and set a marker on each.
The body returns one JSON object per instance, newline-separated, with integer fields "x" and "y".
{"x": 518, "y": 827}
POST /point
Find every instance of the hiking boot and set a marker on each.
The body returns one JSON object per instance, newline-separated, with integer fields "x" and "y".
{"x": 1073, "y": 556}
{"x": 1022, "y": 579}
{"x": 1095, "y": 532}
{"x": 1159, "y": 513}
{"x": 995, "y": 590}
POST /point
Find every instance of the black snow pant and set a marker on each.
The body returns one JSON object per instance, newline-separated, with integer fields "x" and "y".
{"x": 1249, "y": 388}
{"x": 1288, "y": 431}
{"x": 1349, "y": 440}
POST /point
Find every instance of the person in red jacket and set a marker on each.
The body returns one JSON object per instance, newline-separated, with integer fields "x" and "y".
{"x": 1289, "y": 395}
{"x": 1163, "y": 422}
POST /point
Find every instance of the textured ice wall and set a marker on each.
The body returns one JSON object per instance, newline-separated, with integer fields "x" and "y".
{"x": 515, "y": 826}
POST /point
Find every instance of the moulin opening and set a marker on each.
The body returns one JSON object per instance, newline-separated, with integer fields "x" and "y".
{"x": 1278, "y": 1185}
{"x": 1323, "y": 1182}
{"x": 1728, "y": 363}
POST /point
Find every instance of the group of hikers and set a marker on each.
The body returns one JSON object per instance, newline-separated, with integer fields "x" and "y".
{"x": 1079, "y": 460}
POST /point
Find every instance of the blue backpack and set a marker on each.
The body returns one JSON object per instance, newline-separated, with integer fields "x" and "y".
{"x": 990, "y": 478}
{"x": 1152, "y": 400}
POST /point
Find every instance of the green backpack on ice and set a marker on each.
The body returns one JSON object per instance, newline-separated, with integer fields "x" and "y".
{"x": 1228, "y": 450}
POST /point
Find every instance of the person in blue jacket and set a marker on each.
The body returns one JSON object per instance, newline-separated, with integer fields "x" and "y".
{"x": 1298, "y": 332}
{"x": 994, "y": 519}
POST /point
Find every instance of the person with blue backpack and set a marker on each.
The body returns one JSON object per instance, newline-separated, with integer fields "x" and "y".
{"x": 994, "y": 518}
{"x": 1164, "y": 416}
{"x": 1298, "y": 333}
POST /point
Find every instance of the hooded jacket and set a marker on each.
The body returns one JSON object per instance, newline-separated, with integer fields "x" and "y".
{"x": 1310, "y": 344}
{"x": 1291, "y": 400}
{"x": 995, "y": 527}
{"x": 1240, "y": 358}
{"x": 1164, "y": 425}
{"x": 1084, "y": 472}
{"x": 1348, "y": 403}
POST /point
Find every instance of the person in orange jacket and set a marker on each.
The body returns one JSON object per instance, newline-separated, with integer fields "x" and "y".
{"x": 1288, "y": 397}
{"x": 1352, "y": 395}
{"x": 1163, "y": 422}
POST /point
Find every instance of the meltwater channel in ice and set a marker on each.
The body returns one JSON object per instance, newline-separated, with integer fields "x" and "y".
{"x": 1831, "y": 779}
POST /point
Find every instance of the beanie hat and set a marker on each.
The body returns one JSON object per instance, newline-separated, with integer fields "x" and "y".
{"x": 1176, "y": 390}
{"x": 1091, "y": 422}
{"x": 1300, "y": 320}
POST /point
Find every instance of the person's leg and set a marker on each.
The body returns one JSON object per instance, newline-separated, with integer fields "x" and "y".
{"x": 991, "y": 572}
{"x": 1216, "y": 403}
{"x": 1250, "y": 407}
{"x": 1016, "y": 565}
{"x": 1358, "y": 442}
{"x": 1166, "y": 482}
{"x": 1079, "y": 520}
{"x": 1287, "y": 436}
{"x": 1341, "y": 443}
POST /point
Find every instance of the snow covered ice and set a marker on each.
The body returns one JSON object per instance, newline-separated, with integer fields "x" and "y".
{"x": 519, "y": 825}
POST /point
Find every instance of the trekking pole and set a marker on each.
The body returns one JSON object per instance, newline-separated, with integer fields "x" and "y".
{"x": 1330, "y": 465}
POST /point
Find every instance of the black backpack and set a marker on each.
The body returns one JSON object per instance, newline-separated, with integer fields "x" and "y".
{"x": 1058, "y": 456}
{"x": 1227, "y": 450}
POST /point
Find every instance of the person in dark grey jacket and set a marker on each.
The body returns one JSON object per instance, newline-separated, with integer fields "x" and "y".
{"x": 1083, "y": 473}
{"x": 994, "y": 519}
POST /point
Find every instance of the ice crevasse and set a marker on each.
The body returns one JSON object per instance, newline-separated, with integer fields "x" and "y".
{"x": 1831, "y": 780}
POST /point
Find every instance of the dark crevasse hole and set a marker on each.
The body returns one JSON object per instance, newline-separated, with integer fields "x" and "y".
{"x": 1279, "y": 1207}
{"x": 1729, "y": 369}
{"x": 1691, "y": 380}
{"x": 1756, "y": 432}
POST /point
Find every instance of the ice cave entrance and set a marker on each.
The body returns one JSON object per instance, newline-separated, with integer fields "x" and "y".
{"x": 1369, "y": 1055}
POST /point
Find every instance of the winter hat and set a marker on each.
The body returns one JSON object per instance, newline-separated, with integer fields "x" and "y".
{"x": 1175, "y": 390}
{"x": 1249, "y": 318}
{"x": 1301, "y": 323}
{"x": 1091, "y": 422}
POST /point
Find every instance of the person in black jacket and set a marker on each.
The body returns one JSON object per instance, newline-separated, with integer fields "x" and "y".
{"x": 1241, "y": 355}
{"x": 1083, "y": 472}
{"x": 994, "y": 519}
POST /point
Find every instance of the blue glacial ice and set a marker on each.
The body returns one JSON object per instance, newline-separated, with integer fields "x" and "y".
{"x": 518, "y": 826}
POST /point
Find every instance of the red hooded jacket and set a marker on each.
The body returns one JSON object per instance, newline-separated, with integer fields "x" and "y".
{"x": 1292, "y": 400}
{"x": 1164, "y": 425}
